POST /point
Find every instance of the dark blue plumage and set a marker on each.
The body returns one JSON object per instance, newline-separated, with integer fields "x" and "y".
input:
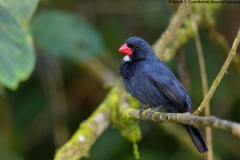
{"x": 152, "y": 82}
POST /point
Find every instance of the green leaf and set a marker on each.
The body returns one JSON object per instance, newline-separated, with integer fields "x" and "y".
{"x": 22, "y": 10}
{"x": 16, "y": 51}
{"x": 67, "y": 34}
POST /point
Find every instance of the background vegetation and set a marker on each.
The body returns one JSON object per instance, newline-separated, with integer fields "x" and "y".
{"x": 56, "y": 56}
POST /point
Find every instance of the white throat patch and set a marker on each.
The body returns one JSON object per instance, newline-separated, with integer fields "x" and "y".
{"x": 126, "y": 58}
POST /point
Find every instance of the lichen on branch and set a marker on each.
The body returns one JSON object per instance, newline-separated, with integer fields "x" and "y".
{"x": 187, "y": 118}
{"x": 90, "y": 130}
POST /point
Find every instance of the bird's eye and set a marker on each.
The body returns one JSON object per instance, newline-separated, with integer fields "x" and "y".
{"x": 137, "y": 46}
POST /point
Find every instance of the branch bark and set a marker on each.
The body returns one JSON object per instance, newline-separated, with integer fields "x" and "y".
{"x": 187, "y": 118}
{"x": 82, "y": 140}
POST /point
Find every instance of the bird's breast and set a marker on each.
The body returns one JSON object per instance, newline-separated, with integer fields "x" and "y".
{"x": 127, "y": 70}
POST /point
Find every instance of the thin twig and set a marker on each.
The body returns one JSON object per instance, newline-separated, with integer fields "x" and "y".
{"x": 204, "y": 82}
{"x": 220, "y": 74}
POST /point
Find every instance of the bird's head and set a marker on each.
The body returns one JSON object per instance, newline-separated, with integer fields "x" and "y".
{"x": 136, "y": 49}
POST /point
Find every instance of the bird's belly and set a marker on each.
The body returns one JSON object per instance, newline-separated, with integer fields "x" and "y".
{"x": 147, "y": 93}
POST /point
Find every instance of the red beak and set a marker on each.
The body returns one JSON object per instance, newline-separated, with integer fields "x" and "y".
{"x": 124, "y": 49}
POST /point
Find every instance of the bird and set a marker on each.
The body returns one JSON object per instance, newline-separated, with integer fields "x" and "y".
{"x": 152, "y": 82}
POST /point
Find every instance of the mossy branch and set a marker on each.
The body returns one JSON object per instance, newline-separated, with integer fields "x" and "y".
{"x": 187, "y": 118}
{"x": 82, "y": 140}
{"x": 90, "y": 130}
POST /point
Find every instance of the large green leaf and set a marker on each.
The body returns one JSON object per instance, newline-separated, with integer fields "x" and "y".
{"x": 16, "y": 51}
{"x": 67, "y": 34}
{"x": 22, "y": 10}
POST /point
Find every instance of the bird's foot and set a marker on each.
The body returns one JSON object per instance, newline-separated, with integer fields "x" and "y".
{"x": 143, "y": 109}
{"x": 153, "y": 110}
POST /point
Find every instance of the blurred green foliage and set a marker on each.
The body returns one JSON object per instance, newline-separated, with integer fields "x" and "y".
{"x": 17, "y": 52}
{"x": 67, "y": 34}
{"x": 22, "y": 10}
{"x": 59, "y": 91}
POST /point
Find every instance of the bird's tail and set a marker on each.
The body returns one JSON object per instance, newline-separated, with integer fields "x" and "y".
{"x": 197, "y": 138}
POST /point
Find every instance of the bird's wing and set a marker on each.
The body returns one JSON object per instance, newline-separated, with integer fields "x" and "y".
{"x": 167, "y": 83}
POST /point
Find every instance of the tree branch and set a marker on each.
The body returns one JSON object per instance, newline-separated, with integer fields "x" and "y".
{"x": 187, "y": 118}
{"x": 82, "y": 140}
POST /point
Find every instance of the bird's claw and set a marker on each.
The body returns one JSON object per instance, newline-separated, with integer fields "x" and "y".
{"x": 142, "y": 109}
{"x": 153, "y": 110}
{"x": 150, "y": 112}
